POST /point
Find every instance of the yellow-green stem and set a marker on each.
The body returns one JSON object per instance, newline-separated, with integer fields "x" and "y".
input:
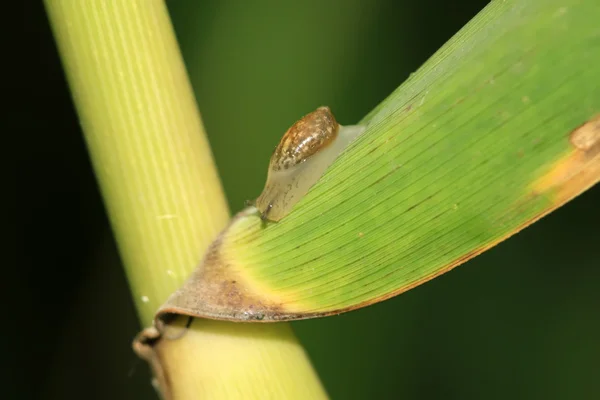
{"x": 161, "y": 188}
{"x": 145, "y": 138}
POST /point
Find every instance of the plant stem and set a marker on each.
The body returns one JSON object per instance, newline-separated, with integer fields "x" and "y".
{"x": 162, "y": 191}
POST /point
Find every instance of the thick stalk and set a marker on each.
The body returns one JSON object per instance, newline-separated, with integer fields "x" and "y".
{"x": 162, "y": 192}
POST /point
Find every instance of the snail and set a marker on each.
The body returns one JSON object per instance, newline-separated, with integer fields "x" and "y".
{"x": 300, "y": 159}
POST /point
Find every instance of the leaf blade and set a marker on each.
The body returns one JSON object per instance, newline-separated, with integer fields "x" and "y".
{"x": 452, "y": 163}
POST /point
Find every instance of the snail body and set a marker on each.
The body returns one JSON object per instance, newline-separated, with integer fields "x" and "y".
{"x": 302, "y": 156}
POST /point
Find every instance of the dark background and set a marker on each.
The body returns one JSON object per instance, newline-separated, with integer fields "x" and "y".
{"x": 521, "y": 321}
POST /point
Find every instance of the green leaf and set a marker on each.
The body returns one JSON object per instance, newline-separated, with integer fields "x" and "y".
{"x": 497, "y": 129}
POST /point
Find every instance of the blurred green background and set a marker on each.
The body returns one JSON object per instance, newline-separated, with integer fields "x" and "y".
{"x": 520, "y": 321}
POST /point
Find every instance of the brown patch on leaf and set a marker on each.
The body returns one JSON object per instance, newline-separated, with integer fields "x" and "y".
{"x": 219, "y": 290}
{"x": 587, "y": 136}
{"x": 578, "y": 170}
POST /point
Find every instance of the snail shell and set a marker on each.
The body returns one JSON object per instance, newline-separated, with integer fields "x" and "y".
{"x": 302, "y": 156}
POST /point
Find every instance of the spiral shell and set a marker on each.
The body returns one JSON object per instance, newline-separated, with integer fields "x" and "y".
{"x": 309, "y": 135}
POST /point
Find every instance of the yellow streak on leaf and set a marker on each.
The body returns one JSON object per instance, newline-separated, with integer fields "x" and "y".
{"x": 576, "y": 171}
